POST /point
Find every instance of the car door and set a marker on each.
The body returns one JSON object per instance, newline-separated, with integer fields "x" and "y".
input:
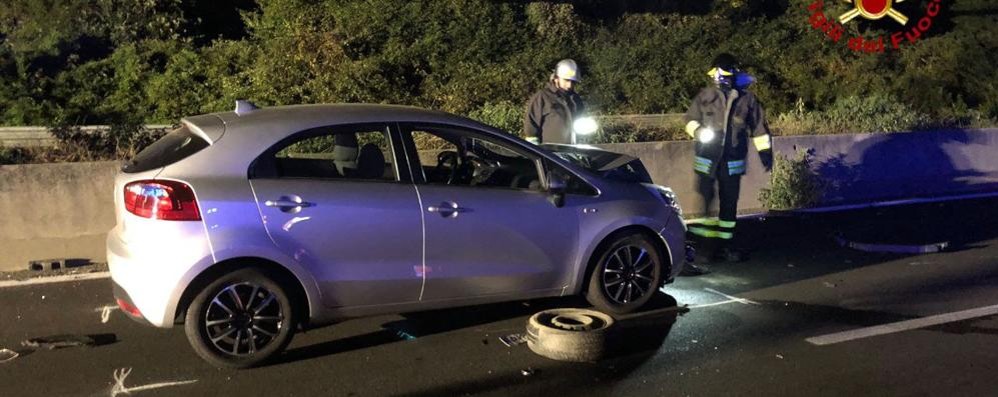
{"x": 332, "y": 199}
{"x": 490, "y": 228}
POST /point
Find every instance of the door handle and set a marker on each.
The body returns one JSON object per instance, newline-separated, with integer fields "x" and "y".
{"x": 447, "y": 209}
{"x": 292, "y": 204}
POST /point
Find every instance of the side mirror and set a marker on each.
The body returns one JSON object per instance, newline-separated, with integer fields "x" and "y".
{"x": 557, "y": 184}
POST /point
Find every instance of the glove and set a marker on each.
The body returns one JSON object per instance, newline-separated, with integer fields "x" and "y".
{"x": 766, "y": 156}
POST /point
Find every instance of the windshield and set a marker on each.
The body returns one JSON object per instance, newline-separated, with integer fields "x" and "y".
{"x": 616, "y": 166}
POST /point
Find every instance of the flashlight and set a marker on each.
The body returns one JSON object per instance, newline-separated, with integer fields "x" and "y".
{"x": 706, "y": 135}
{"x": 585, "y": 125}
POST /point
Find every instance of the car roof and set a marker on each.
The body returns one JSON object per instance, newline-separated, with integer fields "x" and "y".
{"x": 300, "y": 117}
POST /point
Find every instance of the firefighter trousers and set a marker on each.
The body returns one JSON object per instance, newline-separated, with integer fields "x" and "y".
{"x": 726, "y": 186}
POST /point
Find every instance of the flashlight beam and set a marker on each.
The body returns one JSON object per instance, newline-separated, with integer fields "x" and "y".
{"x": 848, "y": 16}
{"x": 897, "y": 16}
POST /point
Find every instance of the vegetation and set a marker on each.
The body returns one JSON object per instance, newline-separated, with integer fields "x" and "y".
{"x": 133, "y": 62}
{"x": 794, "y": 184}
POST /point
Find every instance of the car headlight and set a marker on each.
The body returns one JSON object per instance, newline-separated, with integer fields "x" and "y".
{"x": 669, "y": 197}
{"x": 585, "y": 125}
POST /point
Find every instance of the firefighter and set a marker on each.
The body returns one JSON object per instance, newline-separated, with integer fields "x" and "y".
{"x": 552, "y": 110}
{"x": 723, "y": 119}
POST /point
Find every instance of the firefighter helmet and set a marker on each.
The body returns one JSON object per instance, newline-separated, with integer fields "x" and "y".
{"x": 567, "y": 70}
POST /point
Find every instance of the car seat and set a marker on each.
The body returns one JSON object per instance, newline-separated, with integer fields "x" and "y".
{"x": 370, "y": 162}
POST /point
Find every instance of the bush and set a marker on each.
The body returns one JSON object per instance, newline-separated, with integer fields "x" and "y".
{"x": 874, "y": 113}
{"x": 117, "y": 142}
{"x": 794, "y": 184}
{"x": 505, "y": 116}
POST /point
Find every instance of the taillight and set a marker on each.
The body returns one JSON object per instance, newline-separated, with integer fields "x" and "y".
{"x": 161, "y": 199}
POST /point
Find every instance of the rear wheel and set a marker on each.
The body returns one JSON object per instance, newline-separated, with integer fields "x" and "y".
{"x": 240, "y": 320}
{"x": 627, "y": 273}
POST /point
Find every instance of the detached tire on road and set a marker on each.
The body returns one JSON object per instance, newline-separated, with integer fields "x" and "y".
{"x": 240, "y": 320}
{"x": 578, "y": 335}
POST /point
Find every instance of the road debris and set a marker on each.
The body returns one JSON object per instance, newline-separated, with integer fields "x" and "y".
{"x": 7, "y": 355}
{"x": 829, "y": 285}
{"x": 779, "y": 356}
{"x": 119, "y": 383}
{"x": 63, "y": 341}
{"x": 894, "y": 248}
{"x": 528, "y": 372}
{"x": 513, "y": 339}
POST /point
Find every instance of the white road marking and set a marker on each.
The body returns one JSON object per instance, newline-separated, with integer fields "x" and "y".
{"x": 733, "y": 298}
{"x": 122, "y": 373}
{"x": 900, "y": 326}
{"x": 715, "y": 304}
{"x": 105, "y": 312}
{"x": 54, "y": 279}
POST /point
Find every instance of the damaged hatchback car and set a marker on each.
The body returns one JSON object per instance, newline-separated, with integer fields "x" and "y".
{"x": 246, "y": 226}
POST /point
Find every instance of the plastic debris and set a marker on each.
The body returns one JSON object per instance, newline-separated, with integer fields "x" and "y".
{"x": 894, "y": 248}
{"x": 779, "y": 356}
{"x": 7, "y": 355}
{"x": 528, "y": 372}
{"x": 405, "y": 335}
{"x": 513, "y": 339}
{"x": 829, "y": 285}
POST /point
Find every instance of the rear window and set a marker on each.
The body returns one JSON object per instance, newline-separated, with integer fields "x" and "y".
{"x": 171, "y": 148}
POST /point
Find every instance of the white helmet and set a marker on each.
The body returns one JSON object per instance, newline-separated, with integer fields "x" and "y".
{"x": 567, "y": 70}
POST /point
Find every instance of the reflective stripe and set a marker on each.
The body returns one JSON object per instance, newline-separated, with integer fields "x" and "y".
{"x": 712, "y": 221}
{"x": 762, "y": 142}
{"x": 726, "y": 224}
{"x": 691, "y": 128}
{"x": 711, "y": 233}
{"x": 736, "y": 164}
{"x": 712, "y": 71}
{"x": 702, "y": 164}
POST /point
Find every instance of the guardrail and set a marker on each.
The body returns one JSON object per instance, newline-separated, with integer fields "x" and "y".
{"x": 32, "y": 136}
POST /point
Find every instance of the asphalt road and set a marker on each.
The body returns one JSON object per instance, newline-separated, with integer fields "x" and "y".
{"x": 798, "y": 287}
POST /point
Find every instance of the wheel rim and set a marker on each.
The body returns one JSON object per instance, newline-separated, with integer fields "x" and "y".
{"x": 628, "y": 274}
{"x": 243, "y": 319}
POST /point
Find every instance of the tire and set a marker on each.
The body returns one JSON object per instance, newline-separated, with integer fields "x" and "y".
{"x": 219, "y": 309}
{"x": 577, "y": 335}
{"x": 626, "y": 274}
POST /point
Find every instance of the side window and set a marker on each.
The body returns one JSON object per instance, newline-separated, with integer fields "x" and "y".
{"x": 575, "y": 184}
{"x": 451, "y": 156}
{"x": 351, "y": 154}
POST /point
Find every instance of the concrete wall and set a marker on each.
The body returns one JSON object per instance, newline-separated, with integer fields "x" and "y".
{"x": 55, "y": 211}
{"x": 64, "y": 210}
{"x": 857, "y": 167}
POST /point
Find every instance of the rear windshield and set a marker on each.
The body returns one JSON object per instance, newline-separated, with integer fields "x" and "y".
{"x": 171, "y": 148}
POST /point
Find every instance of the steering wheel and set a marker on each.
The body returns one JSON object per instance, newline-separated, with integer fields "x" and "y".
{"x": 481, "y": 169}
{"x": 447, "y": 159}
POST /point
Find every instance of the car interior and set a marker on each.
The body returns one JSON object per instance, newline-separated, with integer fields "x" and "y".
{"x": 338, "y": 156}
{"x": 461, "y": 160}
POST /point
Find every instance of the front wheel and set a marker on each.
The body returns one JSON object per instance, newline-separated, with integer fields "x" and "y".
{"x": 627, "y": 273}
{"x": 240, "y": 320}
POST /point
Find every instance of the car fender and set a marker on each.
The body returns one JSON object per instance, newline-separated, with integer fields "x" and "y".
{"x": 651, "y": 224}
{"x": 271, "y": 254}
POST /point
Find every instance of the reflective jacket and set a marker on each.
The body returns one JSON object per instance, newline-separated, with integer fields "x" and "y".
{"x": 550, "y": 114}
{"x": 735, "y": 116}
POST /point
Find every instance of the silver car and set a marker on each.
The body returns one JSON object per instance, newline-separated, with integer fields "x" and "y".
{"x": 248, "y": 225}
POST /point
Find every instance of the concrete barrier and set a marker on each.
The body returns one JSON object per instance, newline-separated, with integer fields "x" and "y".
{"x": 64, "y": 210}
{"x": 55, "y": 210}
